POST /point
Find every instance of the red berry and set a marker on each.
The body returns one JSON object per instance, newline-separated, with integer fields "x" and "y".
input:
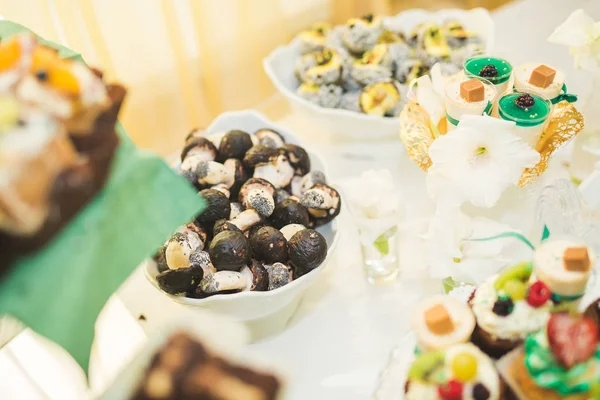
{"x": 572, "y": 339}
{"x": 538, "y": 294}
{"x": 453, "y": 390}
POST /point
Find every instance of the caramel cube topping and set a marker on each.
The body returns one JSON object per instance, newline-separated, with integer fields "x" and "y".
{"x": 577, "y": 259}
{"x": 542, "y": 76}
{"x": 438, "y": 320}
{"x": 472, "y": 90}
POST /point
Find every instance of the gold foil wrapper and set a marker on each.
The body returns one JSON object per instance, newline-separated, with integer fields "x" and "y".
{"x": 417, "y": 135}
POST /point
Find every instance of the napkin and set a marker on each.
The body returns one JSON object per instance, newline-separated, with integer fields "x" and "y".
{"x": 60, "y": 290}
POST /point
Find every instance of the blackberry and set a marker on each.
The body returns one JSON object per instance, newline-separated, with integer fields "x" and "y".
{"x": 524, "y": 101}
{"x": 489, "y": 71}
{"x": 503, "y": 306}
{"x": 480, "y": 392}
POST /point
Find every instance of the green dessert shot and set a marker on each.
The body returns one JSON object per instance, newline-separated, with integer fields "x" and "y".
{"x": 528, "y": 111}
{"x": 496, "y": 70}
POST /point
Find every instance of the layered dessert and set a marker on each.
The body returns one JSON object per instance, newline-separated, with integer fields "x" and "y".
{"x": 467, "y": 96}
{"x": 560, "y": 361}
{"x": 540, "y": 79}
{"x": 565, "y": 267}
{"x": 185, "y": 369}
{"x": 459, "y": 372}
{"x": 440, "y": 322}
{"x": 58, "y": 140}
{"x": 529, "y": 112}
{"x": 498, "y": 71}
{"x": 507, "y": 308}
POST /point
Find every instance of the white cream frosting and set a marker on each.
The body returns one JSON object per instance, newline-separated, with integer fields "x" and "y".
{"x": 550, "y": 268}
{"x": 522, "y": 74}
{"x": 523, "y": 320}
{"x": 486, "y": 375}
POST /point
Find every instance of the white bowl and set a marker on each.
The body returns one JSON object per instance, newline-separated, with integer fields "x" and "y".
{"x": 345, "y": 124}
{"x": 264, "y": 313}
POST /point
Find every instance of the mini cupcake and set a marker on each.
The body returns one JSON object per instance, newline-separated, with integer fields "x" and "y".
{"x": 361, "y": 34}
{"x": 313, "y": 39}
{"x": 458, "y": 372}
{"x": 565, "y": 267}
{"x": 507, "y": 308}
{"x": 328, "y": 68}
{"x": 375, "y": 65}
{"x": 384, "y": 98}
{"x": 442, "y": 321}
{"x": 409, "y": 70}
{"x": 561, "y": 361}
{"x": 328, "y": 96}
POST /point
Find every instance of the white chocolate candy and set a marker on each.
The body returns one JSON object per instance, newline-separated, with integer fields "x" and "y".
{"x": 462, "y": 322}
{"x": 550, "y": 268}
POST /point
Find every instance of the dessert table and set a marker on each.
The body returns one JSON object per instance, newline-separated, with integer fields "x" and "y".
{"x": 341, "y": 336}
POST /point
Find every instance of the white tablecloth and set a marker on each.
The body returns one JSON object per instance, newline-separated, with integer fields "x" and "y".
{"x": 340, "y": 337}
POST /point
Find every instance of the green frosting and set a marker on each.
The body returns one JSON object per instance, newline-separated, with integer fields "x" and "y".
{"x": 548, "y": 373}
{"x": 474, "y": 65}
{"x": 532, "y": 116}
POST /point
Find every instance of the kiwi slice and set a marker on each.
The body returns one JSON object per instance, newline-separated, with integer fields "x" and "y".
{"x": 426, "y": 366}
{"x": 521, "y": 271}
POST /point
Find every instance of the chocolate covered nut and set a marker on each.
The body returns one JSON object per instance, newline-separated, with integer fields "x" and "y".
{"x": 438, "y": 320}
{"x": 577, "y": 259}
{"x": 472, "y": 90}
{"x": 542, "y": 76}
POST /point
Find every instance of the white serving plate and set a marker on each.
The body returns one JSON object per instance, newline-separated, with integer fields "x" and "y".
{"x": 349, "y": 125}
{"x": 264, "y": 313}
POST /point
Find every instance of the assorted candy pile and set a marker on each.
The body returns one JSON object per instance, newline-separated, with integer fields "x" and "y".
{"x": 365, "y": 65}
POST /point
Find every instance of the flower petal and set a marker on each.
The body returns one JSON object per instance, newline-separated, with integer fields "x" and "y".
{"x": 574, "y": 31}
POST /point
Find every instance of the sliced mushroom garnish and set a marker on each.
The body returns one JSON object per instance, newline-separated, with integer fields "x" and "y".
{"x": 322, "y": 202}
{"x": 224, "y": 281}
{"x": 279, "y": 275}
{"x": 221, "y": 187}
{"x": 179, "y": 248}
{"x": 201, "y": 258}
{"x": 246, "y": 219}
{"x": 201, "y": 147}
{"x": 261, "y": 201}
{"x": 236, "y": 209}
{"x": 206, "y": 173}
{"x": 269, "y": 137}
{"x": 278, "y": 171}
{"x": 290, "y": 230}
{"x": 311, "y": 179}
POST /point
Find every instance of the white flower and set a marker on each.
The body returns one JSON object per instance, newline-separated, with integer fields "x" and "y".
{"x": 452, "y": 254}
{"x": 373, "y": 195}
{"x": 429, "y": 93}
{"x": 477, "y": 161}
{"x": 582, "y": 34}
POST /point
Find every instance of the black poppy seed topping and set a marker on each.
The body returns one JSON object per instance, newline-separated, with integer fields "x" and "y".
{"x": 200, "y": 258}
{"x": 262, "y": 205}
{"x": 313, "y": 199}
{"x": 489, "y": 71}
{"x": 524, "y": 101}
{"x": 202, "y": 169}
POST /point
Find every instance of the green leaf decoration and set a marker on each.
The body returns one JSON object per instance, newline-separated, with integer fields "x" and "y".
{"x": 382, "y": 243}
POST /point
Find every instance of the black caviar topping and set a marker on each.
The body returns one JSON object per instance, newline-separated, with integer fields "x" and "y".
{"x": 503, "y": 306}
{"x": 42, "y": 75}
{"x": 480, "y": 392}
{"x": 489, "y": 71}
{"x": 524, "y": 101}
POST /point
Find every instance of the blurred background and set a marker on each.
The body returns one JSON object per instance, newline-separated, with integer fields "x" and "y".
{"x": 186, "y": 61}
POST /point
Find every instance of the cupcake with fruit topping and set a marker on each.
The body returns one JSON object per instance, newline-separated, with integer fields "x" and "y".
{"x": 561, "y": 361}
{"x": 313, "y": 39}
{"x": 508, "y": 307}
{"x": 361, "y": 34}
{"x": 458, "y": 372}
{"x": 565, "y": 267}
{"x": 374, "y": 65}
{"x": 442, "y": 321}
{"x": 381, "y": 99}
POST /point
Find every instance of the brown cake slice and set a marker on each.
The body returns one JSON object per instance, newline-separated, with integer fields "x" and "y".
{"x": 185, "y": 370}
